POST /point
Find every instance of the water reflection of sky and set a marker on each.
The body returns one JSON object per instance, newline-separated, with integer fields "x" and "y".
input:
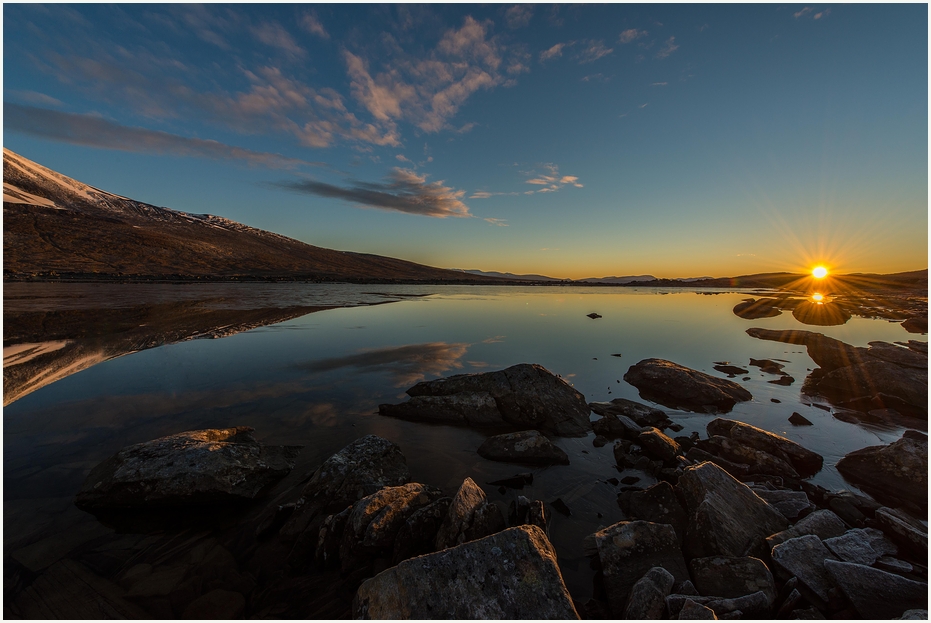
{"x": 317, "y": 380}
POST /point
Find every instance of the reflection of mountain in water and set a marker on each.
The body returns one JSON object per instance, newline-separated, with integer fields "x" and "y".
{"x": 407, "y": 364}
{"x": 41, "y": 347}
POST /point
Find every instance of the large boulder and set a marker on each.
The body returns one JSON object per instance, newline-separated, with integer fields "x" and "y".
{"x": 803, "y": 460}
{"x": 658, "y": 445}
{"x": 509, "y": 575}
{"x": 525, "y": 396}
{"x": 470, "y": 516}
{"x": 192, "y": 468}
{"x": 730, "y": 576}
{"x": 863, "y": 546}
{"x": 757, "y": 461}
{"x": 876, "y": 594}
{"x": 526, "y": 446}
{"x": 679, "y": 387}
{"x": 792, "y": 504}
{"x": 726, "y": 517}
{"x": 628, "y": 549}
{"x": 822, "y": 523}
{"x": 418, "y": 534}
{"x": 804, "y": 558}
{"x": 899, "y": 470}
{"x": 648, "y": 595}
{"x": 909, "y": 533}
{"x": 875, "y": 376}
{"x": 657, "y": 504}
{"x": 643, "y": 415}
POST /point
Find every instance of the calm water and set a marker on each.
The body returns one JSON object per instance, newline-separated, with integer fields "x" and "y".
{"x": 317, "y": 380}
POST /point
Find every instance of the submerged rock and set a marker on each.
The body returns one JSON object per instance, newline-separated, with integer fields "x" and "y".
{"x": 822, "y": 314}
{"x": 509, "y": 575}
{"x": 525, "y": 396}
{"x": 191, "y": 468}
{"x": 528, "y": 446}
{"x": 679, "y": 387}
{"x": 899, "y": 470}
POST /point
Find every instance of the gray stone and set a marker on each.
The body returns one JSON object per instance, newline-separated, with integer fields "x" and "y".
{"x": 613, "y": 426}
{"x": 728, "y": 577}
{"x": 754, "y": 605}
{"x": 648, "y": 595}
{"x": 676, "y": 601}
{"x": 907, "y": 532}
{"x": 899, "y": 469}
{"x": 757, "y": 461}
{"x": 418, "y": 534}
{"x": 526, "y": 396}
{"x": 876, "y": 594}
{"x": 822, "y": 523}
{"x": 658, "y": 445}
{"x": 792, "y": 504}
{"x": 727, "y": 518}
{"x": 679, "y": 387}
{"x": 641, "y": 414}
{"x": 657, "y": 504}
{"x": 697, "y": 455}
{"x": 192, "y": 468}
{"x": 803, "y": 460}
{"x": 528, "y": 446}
{"x": 628, "y": 549}
{"x": 476, "y": 409}
{"x": 804, "y": 557}
{"x": 467, "y": 517}
{"x": 914, "y": 615}
{"x": 894, "y": 565}
{"x": 863, "y": 546}
{"x": 692, "y": 611}
{"x": 509, "y": 575}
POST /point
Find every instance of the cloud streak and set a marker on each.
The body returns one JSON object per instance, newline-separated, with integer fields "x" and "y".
{"x": 403, "y": 191}
{"x": 552, "y": 182}
{"x": 630, "y": 35}
{"x": 93, "y": 131}
{"x": 668, "y": 48}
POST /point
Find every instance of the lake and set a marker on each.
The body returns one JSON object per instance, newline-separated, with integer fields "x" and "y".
{"x": 91, "y": 368}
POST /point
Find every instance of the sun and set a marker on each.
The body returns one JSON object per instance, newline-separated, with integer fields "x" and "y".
{"x": 819, "y": 272}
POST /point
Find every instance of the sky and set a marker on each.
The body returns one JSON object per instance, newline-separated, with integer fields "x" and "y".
{"x": 571, "y": 141}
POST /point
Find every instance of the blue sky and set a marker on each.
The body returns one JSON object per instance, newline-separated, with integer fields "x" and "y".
{"x": 573, "y": 141}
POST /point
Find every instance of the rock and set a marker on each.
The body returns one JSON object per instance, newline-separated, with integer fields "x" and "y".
{"x": 374, "y": 522}
{"x": 827, "y": 352}
{"x": 694, "y": 611}
{"x": 217, "y": 604}
{"x": 466, "y": 517}
{"x": 628, "y": 549}
{"x": 899, "y": 356}
{"x": 792, "y": 504}
{"x": 808, "y": 614}
{"x": 643, "y": 415}
{"x": 726, "y": 517}
{"x": 676, "y": 602}
{"x": 862, "y": 546}
{"x": 476, "y": 409}
{"x": 361, "y": 468}
{"x": 803, "y": 460}
{"x": 894, "y": 565}
{"x": 629, "y": 480}
{"x": 822, "y": 523}
{"x": 517, "y": 481}
{"x": 697, "y": 455}
{"x": 679, "y": 387}
{"x": 804, "y": 557}
{"x": 418, "y": 534}
{"x": 792, "y": 601}
{"x": 192, "y": 468}
{"x": 728, "y": 577}
{"x": 761, "y": 308}
{"x": 600, "y": 441}
{"x": 593, "y": 315}
{"x": 526, "y": 396}
{"x": 528, "y": 446}
{"x": 614, "y": 426}
{"x": 767, "y": 365}
{"x": 847, "y": 511}
{"x": 659, "y": 445}
{"x": 915, "y": 345}
{"x": 757, "y": 461}
{"x": 799, "y": 420}
{"x": 876, "y": 594}
{"x": 509, "y": 575}
{"x": 909, "y": 385}
{"x": 754, "y": 605}
{"x": 899, "y": 470}
{"x": 657, "y": 504}
{"x": 918, "y": 324}
{"x": 908, "y": 533}
{"x": 731, "y": 371}
{"x": 914, "y": 615}
{"x": 784, "y": 380}
{"x": 821, "y": 314}
{"x": 527, "y": 512}
{"x": 648, "y": 595}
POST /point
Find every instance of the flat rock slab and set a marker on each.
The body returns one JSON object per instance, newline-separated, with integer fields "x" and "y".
{"x": 643, "y": 415}
{"x": 628, "y": 549}
{"x": 862, "y": 546}
{"x": 899, "y": 469}
{"x": 804, "y": 557}
{"x": 679, "y": 387}
{"x": 876, "y": 594}
{"x": 907, "y": 532}
{"x": 727, "y": 518}
{"x": 803, "y": 460}
{"x": 791, "y": 504}
{"x": 728, "y": 576}
{"x": 509, "y": 575}
{"x": 191, "y": 468}
{"x": 528, "y": 446}
{"x": 822, "y": 523}
{"x": 526, "y": 396}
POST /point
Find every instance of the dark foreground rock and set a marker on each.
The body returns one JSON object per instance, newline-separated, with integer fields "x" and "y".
{"x": 760, "y": 308}
{"x": 679, "y": 387}
{"x": 899, "y": 470}
{"x": 471, "y": 516}
{"x": 528, "y": 446}
{"x": 525, "y": 396}
{"x": 877, "y": 594}
{"x": 729, "y": 576}
{"x": 648, "y": 595}
{"x": 509, "y": 575}
{"x": 191, "y": 468}
{"x": 643, "y": 415}
{"x": 803, "y": 460}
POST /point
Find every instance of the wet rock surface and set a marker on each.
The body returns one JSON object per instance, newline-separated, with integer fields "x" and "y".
{"x": 529, "y": 446}
{"x": 643, "y": 415}
{"x": 525, "y": 396}
{"x": 679, "y": 387}
{"x": 897, "y": 471}
{"x": 803, "y": 460}
{"x": 509, "y": 575}
{"x": 759, "y": 308}
{"x": 191, "y": 468}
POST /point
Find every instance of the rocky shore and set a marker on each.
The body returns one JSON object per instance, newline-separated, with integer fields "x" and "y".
{"x": 730, "y": 529}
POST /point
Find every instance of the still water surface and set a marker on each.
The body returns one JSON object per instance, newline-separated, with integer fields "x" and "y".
{"x": 317, "y": 380}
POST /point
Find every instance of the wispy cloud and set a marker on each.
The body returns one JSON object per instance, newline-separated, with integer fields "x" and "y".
{"x": 644, "y": 105}
{"x": 802, "y": 13}
{"x": 630, "y": 35}
{"x": 518, "y": 15}
{"x": 94, "y": 131}
{"x": 466, "y": 128}
{"x": 33, "y": 97}
{"x": 274, "y": 35}
{"x": 553, "y": 52}
{"x": 823, "y": 13}
{"x": 599, "y": 77}
{"x": 659, "y": 84}
{"x": 592, "y": 51}
{"x": 311, "y": 24}
{"x": 668, "y": 48}
{"x": 552, "y": 181}
{"x": 484, "y": 194}
{"x": 402, "y": 158}
{"x": 500, "y": 222}
{"x": 403, "y": 191}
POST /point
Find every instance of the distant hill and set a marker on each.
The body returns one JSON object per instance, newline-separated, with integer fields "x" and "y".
{"x": 510, "y": 276}
{"x": 619, "y": 280}
{"x": 57, "y": 227}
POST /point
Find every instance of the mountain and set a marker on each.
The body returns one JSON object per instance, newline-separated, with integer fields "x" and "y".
{"x": 510, "y": 276}
{"x": 620, "y": 280}
{"x": 55, "y": 226}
